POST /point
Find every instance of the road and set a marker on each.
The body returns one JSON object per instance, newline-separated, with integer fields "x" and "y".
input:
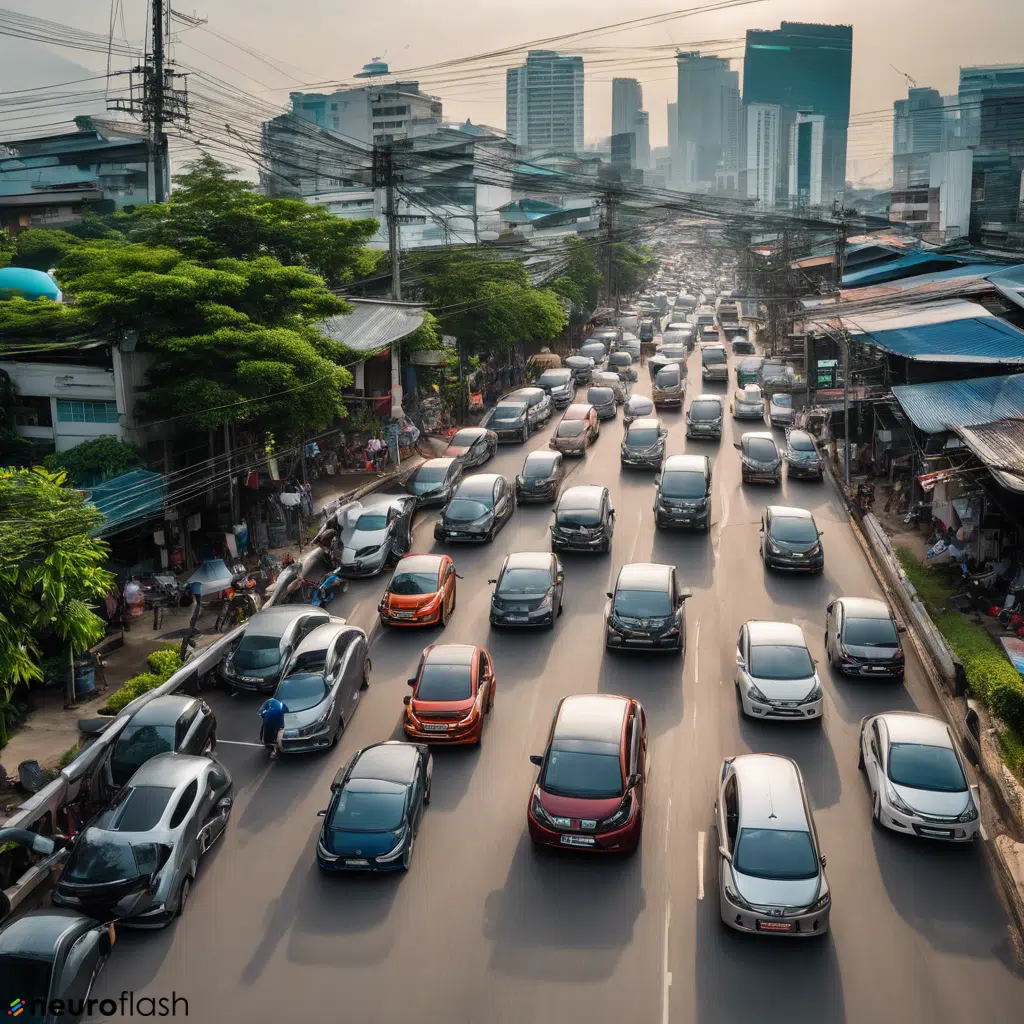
{"x": 484, "y": 929}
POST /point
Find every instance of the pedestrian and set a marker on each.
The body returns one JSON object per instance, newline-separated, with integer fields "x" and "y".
{"x": 272, "y": 730}
{"x": 134, "y": 601}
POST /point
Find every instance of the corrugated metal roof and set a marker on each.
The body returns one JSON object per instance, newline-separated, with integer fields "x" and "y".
{"x": 1000, "y": 445}
{"x": 128, "y": 499}
{"x": 945, "y": 405}
{"x": 374, "y": 324}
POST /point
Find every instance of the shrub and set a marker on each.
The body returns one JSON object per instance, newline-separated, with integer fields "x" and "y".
{"x": 134, "y": 687}
{"x": 164, "y": 662}
{"x": 67, "y": 757}
{"x": 1007, "y": 701}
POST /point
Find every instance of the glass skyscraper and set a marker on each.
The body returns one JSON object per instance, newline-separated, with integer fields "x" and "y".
{"x": 544, "y": 103}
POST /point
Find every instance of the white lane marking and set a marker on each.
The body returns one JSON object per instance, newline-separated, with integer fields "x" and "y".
{"x": 636, "y": 536}
{"x": 238, "y": 743}
{"x": 668, "y": 822}
{"x": 666, "y": 974}
{"x": 984, "y": 834}
{"x": 701, "y": 837}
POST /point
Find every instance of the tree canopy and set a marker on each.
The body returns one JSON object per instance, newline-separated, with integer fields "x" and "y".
{"x": 581, "y": 281}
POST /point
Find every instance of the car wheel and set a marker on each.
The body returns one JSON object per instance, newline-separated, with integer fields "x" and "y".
{"x": 337, "y": 733}
{"x": 607, "y": 546}
{"x": 490, "y": 699}
{"x": 525, "y": 435}
{"x": 183, "y": 894}
{"x": 366, "y": 676}
{"x": 860, "y": 756}
{"x": 490, "y": 535}
{"x": 446, "y": 614}
{"x": 407, "y": 859}
{"x": 876, "y": 810}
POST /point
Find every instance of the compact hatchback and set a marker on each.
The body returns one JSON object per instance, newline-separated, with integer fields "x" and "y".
{"x": 432, "y": 482}
{"x": 748, "y": 403}
{"x": 509, "y": 420}
{"x": 542, "y": 475}
{"x": 643, "y": 444}
{"x": 581, "y": 368}
{"x": 636, "y": 408}
{"x": 862, "y": 638}
{"x": 602, "y": 400}
{"x": 704, "y": 417}
{"x": 538, "y": 403}
{"x": 780, "y": 410}
{"x": 759, "y": 458}
{"x": 421, "y": 592}
{"x": 481, "y": 506}
{"x": 591, "y": 788}
{"x": 472, "y": 446}
{"x": 802, "y": 459}
{"x": 683, "y": 495}
{"x": 771, "y": 872}
{"x": 791, "y": 540}
{"x": 917, "y": 777}
{"x": 775, "y": 673}
{"x": 622, "y": 364}
{"x": 645, "y": 611}
{"x": 559, "y": 385}
{"x": 528, "y": 590}
{"x": 595, "y": 350}
{"x": 577, "y": 430}
{"x": 452, "y": 691}
{"x": 584, "y": 520}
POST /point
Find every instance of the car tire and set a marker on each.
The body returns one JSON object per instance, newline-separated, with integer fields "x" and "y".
{"x": 607, "y": 546}
{"x": 337, "y": 734}
{"x": 525, "y": 436}
{"x": 876, "y": 810}
{"x": 365, "y": 684}
{"x": 183, "y": 893}
{"x": 860, "y": 756}
{"x": 407, "y": 857}
{"x": 445, "y": 614}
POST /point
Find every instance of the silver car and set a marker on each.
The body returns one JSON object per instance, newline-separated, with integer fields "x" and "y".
{"x": 374, "y": 533}
{"x": 138, "y": 860}
{"x": 321, "y": 686}
{"x": 780, "y": 410}
{"x": 775, "y": 673}
{"x": 607, "y": 379}
{"x": 537, "y": 400}
{"x": 917, "y": 777}
{"x": 771, "y": 872}
{"x": 748, "y": 403}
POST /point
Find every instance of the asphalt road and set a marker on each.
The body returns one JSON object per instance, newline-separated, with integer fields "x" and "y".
{"x": 484, "y": 929}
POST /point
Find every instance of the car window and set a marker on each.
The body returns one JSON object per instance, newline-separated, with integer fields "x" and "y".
{"x": 136, "y": 745}
{"x": 783, "y": 854}
{"x": 642, "y": 604}
{"x": 464, "y": 438}
{"x": 667, "y": 378}
{"x": 870, "y": 633}
{"x": 301, "y": 691}
{"x": 256, "y": 652}
{"x": 683, "y": 484}
{"x": 761, "y": 449}
{"x": 801, "y": 443}
{"x": 140, "y": 808}
{"x": 570, "y": 428}
{"x": 582, "y": 774}
{"x": 411, "y": 583}
{"x": 507, "y": 412}
{"x": 783, "y": 401}
{"x": 732, "y": 814}
{"x": 309, "y": 661}
{"x": 525, "y": 581}
{"x": 714, "y": 356}
{"x": 27, "y": 978}
{"x": 917, "y": 766}
{"x": 793, "y": 529}
{"x": 377, "y": 811}
{"x": 184, "y": 804}
{"x": 445, "y": 682}
{"x": 430, "y": 474}
{"x": 579, "y": 516}
{"x": 539, "y": 468}
{"x": 468, "y": 509}
{"x": 770, "y": 661}
{"x": 705, "y": 411}
{"x": 372, "y": 521}
{"x": 99, "y": 858}
{"x": 642, "y": 437}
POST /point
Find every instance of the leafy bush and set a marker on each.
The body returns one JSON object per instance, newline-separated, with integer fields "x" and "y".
{"x": 1013, "y": 751}
{"x": 1007, "y": 701}
{"x": 163, "y": 663}
{"x": 93, "y": 461}
{"x": 67, "y": 757}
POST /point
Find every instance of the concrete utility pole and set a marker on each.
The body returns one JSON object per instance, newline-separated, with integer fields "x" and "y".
{"x": 159, "y": 141}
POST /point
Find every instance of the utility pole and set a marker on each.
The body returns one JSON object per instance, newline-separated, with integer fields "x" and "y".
{"x": 611, "y": 283}
{"x": 159, "y": 141}
{"x": 840, "y": 266}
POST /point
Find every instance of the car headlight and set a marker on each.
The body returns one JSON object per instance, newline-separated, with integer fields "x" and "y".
{"x": 548, "y": 599}
{"x": 621, "y": 816}
{"x": 896, "y": 801}
{"x": 755, "y": 694}
{"x": 971, "y": 814}
{"x": 773, "y": 547}
{"x": 816, "y": 694}
{"x": 323, "y": 852}
{"x": 734, "y": 897}
{"x": 542, "y": 816}
{"x": 396, "y": 851}
{"x": 823, "y": 900}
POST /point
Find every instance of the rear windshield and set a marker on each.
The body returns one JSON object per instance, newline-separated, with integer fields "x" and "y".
{"x": 464, "y": 438}
{"x": 667, "y": 378}
{"x": 552, "y": 378}
{"x": 592, "y": 349}
{"x": 924, "y": 767}
{"x": 801, "y": 443}
{"x": 762, "y": 450}
{"x": 775, "y": 853}
{"x": 621, "y": 359}
{"x": 136, "y": 745}
{"x": 140, "y": 808}
{"x": 743, "y": 347}
{"x": 642, "y": 437}
{"x": 525, "y": 581}
{"x": 445, "y": 682}
{"x": 870, "y": 633}
{"x": 408, "y": 584}
{"x": 579, "y": 516}
{"x": 714, "y": 355}
{"x": 302, "y": 691}
{"x": 750, "y": 396}
{"x": 372, "y": 521}
{"x": 431, "y": 474}
{"x": 582, "y": 774}
{"x": 783, "y": 401}
{"x": 368, "y": 812}
{"x": 642, "y": 604}
{"x": 777, "y": 662}
{"x": 507, "y": 412}
{"x": 600, "y": 396}
{"x": 705, "y": 411}
{"x": 796, "y": 531}
{"x": 570, "y": 428}
{"x": 258, "y": 652}
{"x": 685, "y": 484}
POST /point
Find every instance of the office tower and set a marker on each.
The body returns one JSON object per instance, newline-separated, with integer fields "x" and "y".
{"x": 642, "y": 130}
{"x": 806, "y": 146}
{"x": 802, "y": 67}
{"x": 673, "y": 127}
{"x": 764, "y": 152}
{"x": 627, "y": 102}
{"x": 544, "y": 103}
{"x": 918, "y": 130}
{"x": 994, "y": 95}
{"x": 707, "y": 104}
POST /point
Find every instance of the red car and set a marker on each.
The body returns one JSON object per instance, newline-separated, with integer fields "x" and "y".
{"x": 591, "y": 787}
{"x": 421, "y": 592}
{"x": 452, "y": 692}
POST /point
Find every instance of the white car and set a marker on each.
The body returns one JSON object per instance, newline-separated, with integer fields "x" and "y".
{"x": 917, "y": 777}
{"x": 780, "y": 411}
{"x": 748, "y": 403}
{"x": 775, "y": 673}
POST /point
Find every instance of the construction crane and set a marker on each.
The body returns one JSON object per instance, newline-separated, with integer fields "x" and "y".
{"x": 905, "y": 75}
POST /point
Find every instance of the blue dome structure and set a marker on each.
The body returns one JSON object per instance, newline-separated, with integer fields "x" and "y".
{"x": 22, "y": 283}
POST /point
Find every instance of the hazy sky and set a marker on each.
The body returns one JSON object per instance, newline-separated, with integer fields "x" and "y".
{"x": 325, "y": 41}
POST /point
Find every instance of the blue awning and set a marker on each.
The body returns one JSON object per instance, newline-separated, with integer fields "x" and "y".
{"x": 130, "y": 498}
{"x": 946, "y": 405}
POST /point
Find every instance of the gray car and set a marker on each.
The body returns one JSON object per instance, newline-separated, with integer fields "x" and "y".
{"x": 775, "y": 674}
{"x": 139, "y": 858}
{"x": 374, "y": 534}
{"x": 584, "y": 520}
{"x": 538, "y": 403}
{"x": 636, "y": 407}
{"x": 433, "y": 482}
{"x": 581, "y": 368}
{"x": 321, "y": 687}
{"x": 621, "y": 363}
{"x": 560, "y": 386}
{"x": 608, "y": 379}
{"x": 771, "y": 872}
{"x": 759, "y": 458}
{"x": 595, "y": 350}
{"x": 603, "y": 401}
{"x": 510, "y": 420}
{"x": 643, "y": 444}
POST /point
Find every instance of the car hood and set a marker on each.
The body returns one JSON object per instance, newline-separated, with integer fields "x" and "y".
{"x": 795, "y": 547}
{"x": 780, "y": 410}
{"x": 454, "y": 451}
{"x": 299, "y": 719}
{"x": 357, "y": 844}
{"x": 871, "y": 653}
{"x": 578, "y": 807}
{"x": 798, "y": 455}
{"x": 775, "y": 892}
{"x": 785, "y": 689}
{"x": 408, "y": 602}
{"x": 942, "y": 805}
{"x": 488, "y": 513}
{"x": 359, "y": 539}
{"x": 442, "y": 707}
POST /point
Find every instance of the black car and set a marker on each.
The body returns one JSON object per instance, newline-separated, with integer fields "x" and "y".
{"x": 645, "y": 611}
{"x": 50, "y": 958}
{"x": 802, "y": 458}
{"x": 542, "y": 476}
{"x": 743, "y": 347}
{"x": 603, "y": 401}
{"x": 433, "y": 482}
{"x": 528, "y": 590}
{"x": 759, "y": 458}
{"x": 510, "y": 420}
{"x": 704, "y": 417}
{"x": 581, "y": 368}
{"x": 584, "y": 520}
{"x": 480, "y": 507}
{"x": 683, "y": 495}
{"x": 863, "y": 639}
{"x": 174, "y": 722}
{"x": 377, "y": 803}
{"x": 643, "y": 444}
{"x": 790, "y": 539}
{"x": 560, "y": 386}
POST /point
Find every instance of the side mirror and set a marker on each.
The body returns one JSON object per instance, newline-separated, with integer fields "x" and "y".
{"x": 725, "y": 853}
{"x": 492, "y": 581}
{"x": 738, "y": 447}
{"x": 821, "y": 533}
{"x": 634, "y": 780}
{"x": 407, "y": 699}
{"x": 411, "y": 682}
{"x": 740, "y": 660}
{"x": 901, "y": 628}
{"x": 322, "y": 814}
{"x": 536, "y": 759}
{"x": 611, "y": 513}
{"x": 685, "y": 592}
{"x": 608, "y": 593}
{"x": 657, "y": 479}
{"x": 225, "y": 803}
{"x": 823, "y": 860}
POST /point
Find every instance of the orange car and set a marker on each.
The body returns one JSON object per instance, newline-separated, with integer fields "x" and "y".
{"x": 421, "y": 592}
{"x": 452, "y": 691}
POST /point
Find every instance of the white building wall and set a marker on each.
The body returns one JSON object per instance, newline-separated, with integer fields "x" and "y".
{"x": 950, "y": 173}
{"x": 817, "y": 122}
{"x": 764, "y": 152}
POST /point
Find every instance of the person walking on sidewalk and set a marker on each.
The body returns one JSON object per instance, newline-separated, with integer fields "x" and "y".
{"x": 272, "y": 731}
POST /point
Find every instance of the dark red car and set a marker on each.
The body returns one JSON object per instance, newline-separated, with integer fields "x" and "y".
{"x": 592, "y": 783}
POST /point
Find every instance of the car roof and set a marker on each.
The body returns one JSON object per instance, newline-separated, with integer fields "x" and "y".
{"x": 789, "y": 512}
{"x": 321, "y": 638}
{"x": 275, "y": 620}
{"x": 641, "y": 401}
{"x": 577, "y": 411}
{"x": 645, "y": 422}
{"x": 763, "y": 435}
{"x": 582, "y": 496}
{"x": 769, "y": 634}
{"x": 472, "y": 486}
{"x": 475, "y": 431}
{"x": 542, "y": 456}
{"x": 560, "y": 370}
{"x": 164, "y": 710}
{"x": 865, "y": 608}
{"x": 751, "y": 389}
{"x": 685, "y": 463}
{"x": 420, "y": 563}
{"x": 799, "y": 435}
{"x": 170, "y": 770}
{"x": 527, "y": 392}
{"x": 450, "y": 654}
{"x": 770, "y": 792}
{"x": 383, "y": 504}
{"x": 908, "y": 727}
{"x": 39, "y": 932}
{"x": 644, "y": 576}
{"x": 389, "y": 761}
{"x": 595, "y": 719}
{"x": 601, "y": 388}
{"x": 529, "y": 560}
{"x": 515, "y": 400}
{"x": 443, "y": 460}
{"x": 708, "y": 398}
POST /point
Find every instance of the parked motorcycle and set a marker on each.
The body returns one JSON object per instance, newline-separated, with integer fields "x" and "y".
{"x": 920, "y": 512}
{"x": 331, "y": 586}
{"x": 241, "y": 600}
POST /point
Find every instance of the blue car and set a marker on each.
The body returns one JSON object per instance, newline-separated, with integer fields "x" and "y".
{"x": 376, "y": 806}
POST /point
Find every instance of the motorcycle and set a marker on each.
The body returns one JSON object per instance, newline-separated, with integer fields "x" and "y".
{"x": 241, "y": 600}
{"x": 919, "y": 513}
{"x": 330, "y": 587}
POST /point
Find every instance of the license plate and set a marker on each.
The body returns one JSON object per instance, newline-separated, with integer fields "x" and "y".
{"x": 517, "y": 618}
{"x": 404, "y": 615}
{"x": 430, "y": 727}
{"x": 357, "y": 862}
{"x": 877, "y": 668}
{"x": 578, "y": 840}
{"x": 775, "y": 926}
{"x": 290, "y": 734}
{"x": 945, "y": 833}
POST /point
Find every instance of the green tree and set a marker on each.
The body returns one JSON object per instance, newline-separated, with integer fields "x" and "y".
{"x": 93, "y": 461}
{"x": 632, "y": 265}
{"x": 13, "y": 448}
{"x": 7, "y": 249}
{"x": 581, "y": 280}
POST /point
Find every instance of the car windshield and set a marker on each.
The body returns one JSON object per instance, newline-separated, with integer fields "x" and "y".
{"x": 371, "y": 522}
{"x": 257, "y": 652}
{"x": 870, "y": 633}
{"x": 705, "y": 411}
{"x": 369, "y": 812}
{"x": 592, "y": 350}
{"x": 28, "y": 979}
{"x": 507, "y": 413}
{"x": 465, "y": 510}
{"x": 538, "y": 469}
{"x": 622, "y": 359}
{"x": 918, "y": 766}
{"x": 464, "y": 438}
{"x": 301, "y": 691}
{"x": 579, "y": 516}
{"x": 642, "y": 437}
{"x": 582, "y": 774}
{"x": 410, "y": 583}
{"x": 801, "y": 443}
{"x": 771, "y": 661}
{"x": 569, "y": 428}
{"x": 600, "y": 396}
{"x": 751, "y": 396}
{"x": 431, "y": 474}
{"x": 99, "y": 858}
{"x": 667, "y": 378}
{"x": 783, "y": 401}
{"x": 673, "y": 351}
{"x": 445, "y": 682}
{"x": 136, "y": 745}
{"x": 552, "y": 378}
{"x": 794, "y": 530}
{"x": 714, "y": 355}
{"x": 783, "y": 854}
{"x": 683, "y": 484}
{"x": 743, "y": 347}
{"x": 761, "y": 449}
{"x": 525, "y": 581}
{"x": 642, "y": 604}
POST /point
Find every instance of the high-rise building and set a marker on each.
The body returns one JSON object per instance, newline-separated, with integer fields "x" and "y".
{"x": 803, "y": 67}
{"x": 673, "y": 127}
{"x": 806, "y": 148}
{"x": 764, "y": 152}
{"x": 991, "y": 93}
{"x": 544, "y": 103}
{"x": 707, "y": 104}
{"x": 627, "y": 102}
{"x": 918, "y": 129}
{"x": 642, "y": 130}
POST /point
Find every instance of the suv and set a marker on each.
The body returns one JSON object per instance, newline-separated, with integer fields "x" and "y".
{"x": 771, "y": 872}
{"x": 643, "y": 444}
{"x": 683, "y": 495}
{"x": 646, "y": 609}
{"x": 759, "y": 458}
{"x": 584, "y": 520}
{"x": 714, "y": 363}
